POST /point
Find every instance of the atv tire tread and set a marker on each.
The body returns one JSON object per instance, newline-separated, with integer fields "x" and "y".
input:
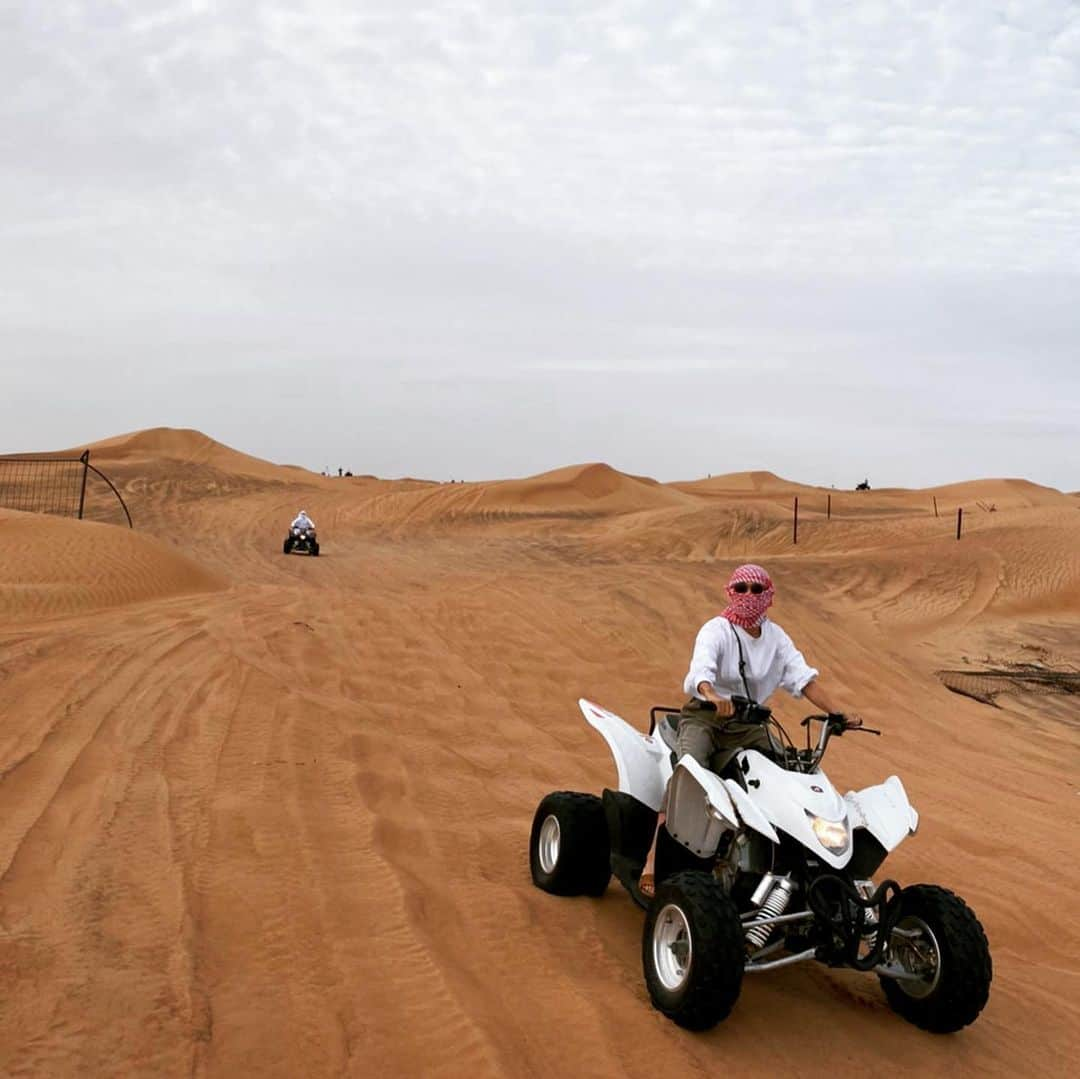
{"x": 719, "y": 951}
{"x": 967, "y": 969}
{"x": 584, "y": 862}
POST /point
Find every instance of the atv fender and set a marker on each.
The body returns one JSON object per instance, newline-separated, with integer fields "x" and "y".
{"x": 641, "y": 760}
{"x": 699, "y": 808}
{"x": 884, "y": 811}
{"x": 751, "y": 815}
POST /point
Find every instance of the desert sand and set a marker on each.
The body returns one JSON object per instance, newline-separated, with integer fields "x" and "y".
{"x": 268, "y": 816}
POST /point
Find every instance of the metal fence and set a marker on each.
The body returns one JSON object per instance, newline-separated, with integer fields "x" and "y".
{"x": 45, "y": 483}
{"x": 985, "y": 685}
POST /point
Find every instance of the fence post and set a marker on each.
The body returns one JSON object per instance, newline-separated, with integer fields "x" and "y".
{"x": 935, "y": 504}
{"x": 828, "y": 508}
{"x": 959, "y": 519}
{"x": 85, "y": 458}
{"x": 795, "y": 527}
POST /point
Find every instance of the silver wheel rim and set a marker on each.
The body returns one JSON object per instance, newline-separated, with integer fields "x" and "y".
{"x": 919, "y": 954}
{"x": 548, "y": 843}
{"x": 672, "y": 947}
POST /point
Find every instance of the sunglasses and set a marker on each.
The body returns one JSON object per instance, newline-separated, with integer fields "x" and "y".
{"x": 742, "y": 588}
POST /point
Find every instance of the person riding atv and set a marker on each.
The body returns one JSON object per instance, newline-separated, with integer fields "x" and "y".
{"x": 760, "y": 862}
{"x": 740, "y": 651}
{"x": 302, "y": 537}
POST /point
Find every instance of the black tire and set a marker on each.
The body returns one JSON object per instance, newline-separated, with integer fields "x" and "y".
{"x": 963, "y": 971}
{"x": 315, "y": 550}
{"x": 712, "y": 974}
{"x": 570, "y": 856}
{"x": 286, "y": 547}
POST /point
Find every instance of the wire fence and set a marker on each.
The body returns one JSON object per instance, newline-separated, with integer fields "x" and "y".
{"x": 986, "y": 506}
{"x": 42, "y": 483}
{"x": 986, "y": 685}
{"x": 54, "y": 485}
{"x": 862, "y": 513}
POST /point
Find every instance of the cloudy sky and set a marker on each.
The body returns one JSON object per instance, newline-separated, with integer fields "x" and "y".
{"x": 481, "y": 238}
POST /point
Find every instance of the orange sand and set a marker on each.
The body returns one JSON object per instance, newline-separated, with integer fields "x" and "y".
{"x": 268, "y": 816}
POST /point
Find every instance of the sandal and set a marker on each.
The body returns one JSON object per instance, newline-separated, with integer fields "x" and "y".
{"x": 647, "y": 885}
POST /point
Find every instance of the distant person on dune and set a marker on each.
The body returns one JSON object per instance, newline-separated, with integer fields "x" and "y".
{"x": 302, "y": 520}
{"x": 740, "y": 653}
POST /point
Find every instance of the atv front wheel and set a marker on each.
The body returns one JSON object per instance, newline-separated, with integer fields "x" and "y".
{"x": 569, "y": 852}
{"x": 942, "y": 961}
{"x": 693, "y": 950}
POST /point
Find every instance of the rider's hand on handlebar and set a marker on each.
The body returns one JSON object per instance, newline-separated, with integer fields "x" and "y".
{"x": 725, "y": 709}
{"x": 852, "y": 719}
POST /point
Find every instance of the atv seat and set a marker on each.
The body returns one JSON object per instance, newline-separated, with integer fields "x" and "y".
{"x": 667, "y": 730}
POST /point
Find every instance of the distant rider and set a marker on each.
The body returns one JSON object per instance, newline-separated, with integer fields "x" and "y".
{"x": 770, "y": 661}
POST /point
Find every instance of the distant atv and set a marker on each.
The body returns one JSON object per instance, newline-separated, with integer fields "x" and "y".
{"x": 301, "y": 541}
{"x": 760, "y": 867}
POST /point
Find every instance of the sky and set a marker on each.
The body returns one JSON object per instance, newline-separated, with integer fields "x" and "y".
{"x": 482, "y": 238}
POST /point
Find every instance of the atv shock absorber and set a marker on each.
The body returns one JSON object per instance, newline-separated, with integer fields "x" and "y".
{"x": 777, "y": 894}
{"x": 866, "y": 889}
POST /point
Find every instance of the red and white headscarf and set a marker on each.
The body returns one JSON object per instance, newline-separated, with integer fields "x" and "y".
{"x": 744, "y": 608}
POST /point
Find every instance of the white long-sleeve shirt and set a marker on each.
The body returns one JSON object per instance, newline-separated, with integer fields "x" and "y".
{"x": 303, "y": 521}
{"x": 772, "y": 661}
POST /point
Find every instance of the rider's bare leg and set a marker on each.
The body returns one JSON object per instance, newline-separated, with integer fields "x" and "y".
{"x": 647, "y": 880}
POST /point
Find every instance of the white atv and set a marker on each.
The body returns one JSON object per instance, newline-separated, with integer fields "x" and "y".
{"x": 759, "y": 867}
{"x": 301, "y": 541}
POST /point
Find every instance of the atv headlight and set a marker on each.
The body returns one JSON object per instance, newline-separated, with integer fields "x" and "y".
{"x": 833, "y": 835}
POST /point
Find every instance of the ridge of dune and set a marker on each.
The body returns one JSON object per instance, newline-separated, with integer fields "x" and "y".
{"x": 593, "y": 486}
{"x": 52, "y": 566}
{"x": 190, "y": 447}
{"x": 587, "y": 490}
{"x": 1008, "y": 491}
{"x": 756, "y": 481}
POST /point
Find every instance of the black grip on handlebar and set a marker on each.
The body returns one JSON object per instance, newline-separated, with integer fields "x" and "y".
{"x": 831, "y": 717}
{"x": 747, "y": 711}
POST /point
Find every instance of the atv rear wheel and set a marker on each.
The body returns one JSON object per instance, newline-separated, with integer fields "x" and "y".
{"x": 941, "y": 951}
{"x": 693, "y": 950}
{"x": 569, "y": 852}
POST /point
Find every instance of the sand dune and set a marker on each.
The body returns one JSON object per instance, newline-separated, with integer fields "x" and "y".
{"x": 733, "y": 483}
{"x": 190, "y": 447}
{"x": 578, "y": 492}
{"x": 1003, "y": 493}
{"x": 268, "y": 815}
{"x": 591, "y": 488}
{"x": 56, "y": 566}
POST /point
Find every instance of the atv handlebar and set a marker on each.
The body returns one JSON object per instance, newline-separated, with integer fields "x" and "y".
{"x": 747, "y": 711}
{"x": 837, "y": 723}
